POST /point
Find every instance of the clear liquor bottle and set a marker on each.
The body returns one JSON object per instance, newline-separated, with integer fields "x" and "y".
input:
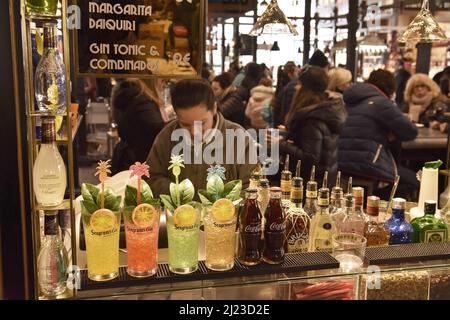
{"x": 297, "y": 220}
{"x": 52, "y": 260}
{"x": 352, "y": 222}
{"x": 50, "y": 77}
{"x": 286, "y": 184}
{"x": 311, "y": 206}
{"x": 322, "y": 225}
{"x": 49, "y": 171}
{"x": 429, "y": 228}
{"x": 374, "y": 231}
{"x": 337, "y": 203}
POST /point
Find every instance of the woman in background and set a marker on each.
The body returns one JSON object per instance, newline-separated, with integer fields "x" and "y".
{"x": 140, "y": 115}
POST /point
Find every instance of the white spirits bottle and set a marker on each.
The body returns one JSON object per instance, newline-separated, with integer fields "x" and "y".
{"x": 49, "y": 171}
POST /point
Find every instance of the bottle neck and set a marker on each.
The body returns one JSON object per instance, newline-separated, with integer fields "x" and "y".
{"x": 50, "y": 37}
{"x": 398, "y": 214}
{"x": 48, "y": 132}
{"x": 51, "y": 225}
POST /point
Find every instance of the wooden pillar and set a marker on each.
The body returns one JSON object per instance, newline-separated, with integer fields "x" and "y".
{"x": 307, "y": 32}
{"x": 352, "y": 19}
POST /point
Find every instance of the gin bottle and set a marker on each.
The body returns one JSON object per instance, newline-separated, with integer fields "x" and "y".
{"x": 50, "y": 77}
{"x": 52, "y": 260}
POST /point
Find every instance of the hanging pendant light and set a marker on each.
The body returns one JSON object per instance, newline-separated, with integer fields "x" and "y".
{"x": 424, "y": 27}
{"x": 273, "y": 21}
{"x": 275, "y": 47}
{"x": 264, "y": 3}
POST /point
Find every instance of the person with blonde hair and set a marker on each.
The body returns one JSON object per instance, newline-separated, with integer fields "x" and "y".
{"x": 340, "y": 79}
{"x": 140, "y": 115}
{"x": 425, "y": 102}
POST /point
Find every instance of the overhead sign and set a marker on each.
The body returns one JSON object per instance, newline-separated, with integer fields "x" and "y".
{"x": 140, "y": 38}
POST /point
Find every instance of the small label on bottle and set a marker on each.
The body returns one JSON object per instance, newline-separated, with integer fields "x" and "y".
{"x": 323, "y": 202}
{"x": 359, "y": 201}
{"x": 297, "y": 242}
{"x": 437, "y": 235}
{"x": 311, "y": 194}
{"x": 286, "y": 186}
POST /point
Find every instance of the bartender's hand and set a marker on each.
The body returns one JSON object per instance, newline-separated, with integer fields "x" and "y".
{"x": 435, "y": 125}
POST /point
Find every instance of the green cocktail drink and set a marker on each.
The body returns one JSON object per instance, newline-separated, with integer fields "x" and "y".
{"x": 183, "y": 228}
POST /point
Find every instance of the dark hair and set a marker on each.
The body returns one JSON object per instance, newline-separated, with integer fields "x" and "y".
{"x": 314, "y": 78}
{"x": 383, "y": 80}
{"x": 224, "y": 80}
{"x": 319, "y": 59}
{"x": 189, "y": 93}
{"x": 303, "y": 98}
{"x": 253, "y": 74}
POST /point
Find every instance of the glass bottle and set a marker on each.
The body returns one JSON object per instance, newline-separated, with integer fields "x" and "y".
{"x": 50, "y": 77}
{"x": 52, "y": 259}
{"x": 374, "y": 231}
{"x": 42, "y": 7}
{"x": 352, "y": 222}
{"x": 297, "y": 221}
{"x": 274, "y": 230}
{"x": 311, "y": 206}
{"x": 322, "y": 225}
{"x": 358, "y": 193}
{"x": 49, "y": 171}
{"x": 286, "y": 184}
{"x": 429, "y": 228}
{"x": 263, "y": 194}
{"x": 337, "y": 203}
{"x": 400, "y": 231}
{"x": 250, "y": 230}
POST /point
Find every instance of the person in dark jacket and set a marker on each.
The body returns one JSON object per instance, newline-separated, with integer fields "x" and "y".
{"x": 286, "y": 96}
{"x": 140, "y": 115}
{"x": 314, "y": 124}
{"x": 223, "y": 89}
{"x": 402, "y": 76}
{"x": 373, "y": 122}
{"x": 234, "y": 108}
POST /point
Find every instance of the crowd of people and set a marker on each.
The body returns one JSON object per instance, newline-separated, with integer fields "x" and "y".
{"x": 326, "y": 120}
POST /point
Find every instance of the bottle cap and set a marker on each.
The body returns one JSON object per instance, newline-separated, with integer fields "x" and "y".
{"x": 373, "y": 205}
{"x": 358, "y": 192}
{"x": 399, "y": 203}
{"x": 430, "y": 207}
{"x": 251, "y": 190}
{"x": 275, "y": 189}
{"x": 264, "y": 183}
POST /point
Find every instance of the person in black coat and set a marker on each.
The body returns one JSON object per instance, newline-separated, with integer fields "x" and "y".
{"x": 373, "y": 122}
{"x": 314, "y": 124}
{"x": 233, "y": 109}
{"x": 140, "y": 115}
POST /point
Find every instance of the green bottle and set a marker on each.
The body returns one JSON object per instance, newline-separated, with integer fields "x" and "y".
{"x": 429, "y": 228}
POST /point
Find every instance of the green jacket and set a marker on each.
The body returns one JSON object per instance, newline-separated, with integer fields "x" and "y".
{"x": 159, "y": 157}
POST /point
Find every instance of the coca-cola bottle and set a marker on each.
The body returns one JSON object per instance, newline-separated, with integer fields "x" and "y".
{"x": 250, "y": 231}
{"x": 274, "y": 230}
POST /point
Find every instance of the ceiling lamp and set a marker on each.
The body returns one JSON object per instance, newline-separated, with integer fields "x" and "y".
{"x": 273, "y": 21}
{"x": 424, "y": 27}
{"x": 264, "y": 3}
{"x": 275, "y": 46}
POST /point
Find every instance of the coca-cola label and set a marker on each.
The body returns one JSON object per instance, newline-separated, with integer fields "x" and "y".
{"x": 253, "y": 228}
{"x": 277, "y": 226}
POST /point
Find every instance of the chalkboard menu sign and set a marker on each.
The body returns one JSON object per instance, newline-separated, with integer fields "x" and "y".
{"x": 140, "y": 38}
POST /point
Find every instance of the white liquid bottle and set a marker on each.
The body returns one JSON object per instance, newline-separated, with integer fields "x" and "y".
{"x": 49, "y": 171}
